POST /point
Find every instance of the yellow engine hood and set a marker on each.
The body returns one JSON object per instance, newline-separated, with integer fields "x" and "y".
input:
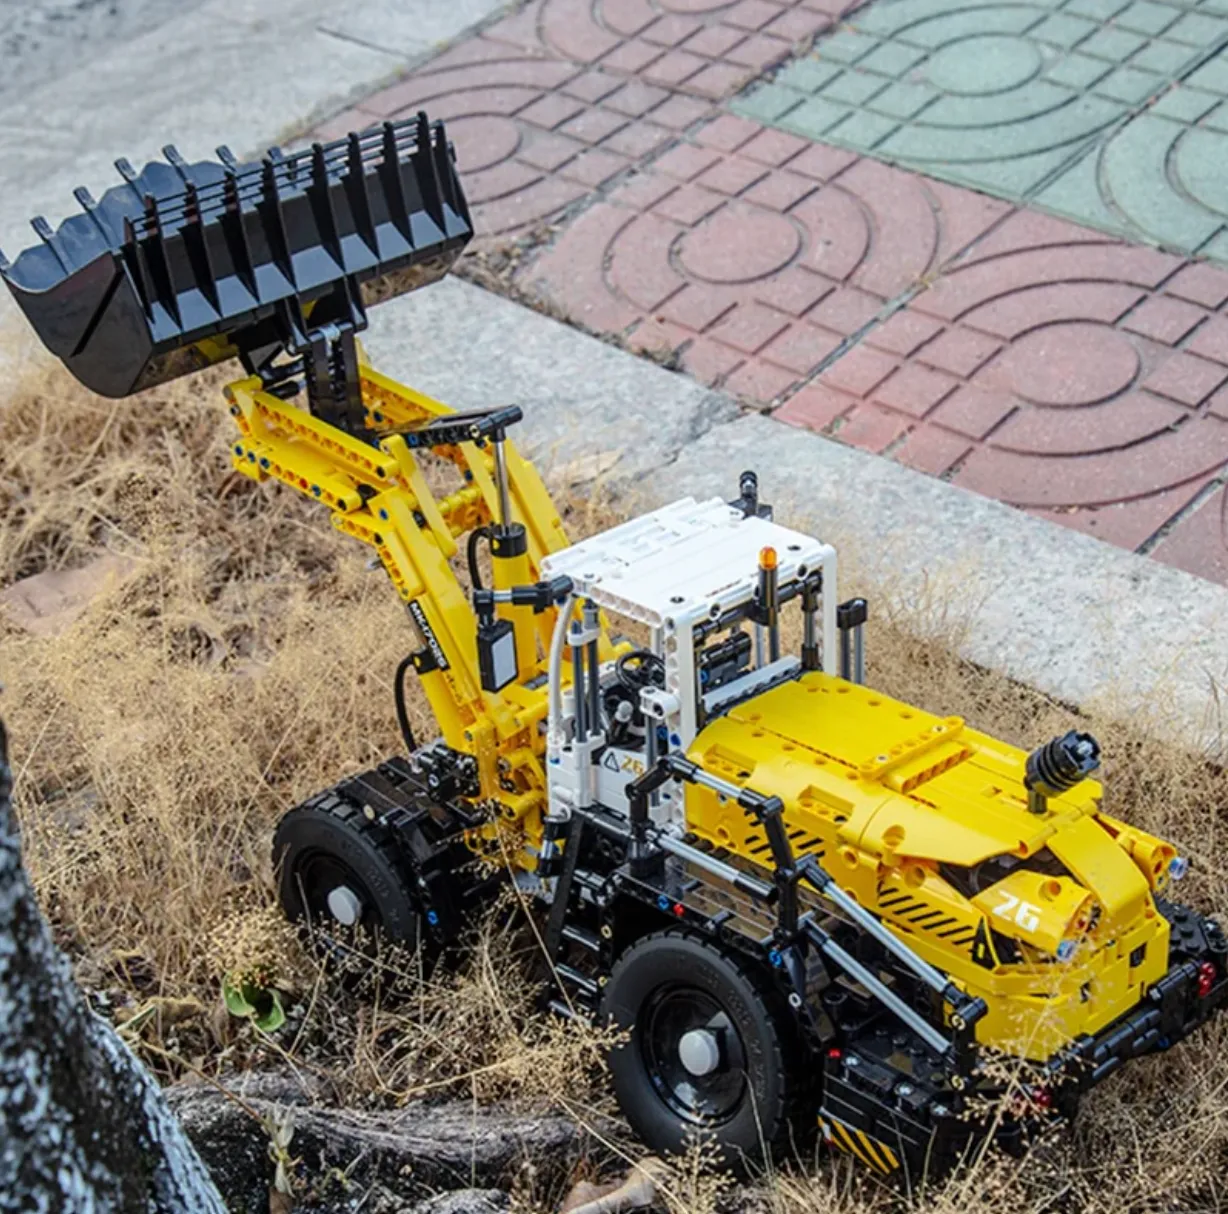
{"x": 893, "y": 801}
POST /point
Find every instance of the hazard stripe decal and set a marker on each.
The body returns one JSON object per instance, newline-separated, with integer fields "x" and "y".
{"x": 870, "y": 1151}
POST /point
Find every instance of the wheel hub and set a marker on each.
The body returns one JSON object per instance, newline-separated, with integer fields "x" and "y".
{"x": 344, "y": 905}
{"x": 693, "y": 1054}
{"x": 700, "y": 1052}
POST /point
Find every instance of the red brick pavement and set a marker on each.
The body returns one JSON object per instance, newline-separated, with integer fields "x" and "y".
{"x": 1079, "y": 377}
{"x": 1199, "y": 543}
{"x": 559, "y": 99}
{"x": 1051, "y": 367}
{"x": 754, "y": 254}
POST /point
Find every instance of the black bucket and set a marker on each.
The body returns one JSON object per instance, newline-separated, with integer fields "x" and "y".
{"x": 187, "y": 265}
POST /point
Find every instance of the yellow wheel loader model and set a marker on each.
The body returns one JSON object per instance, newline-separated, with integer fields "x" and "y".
{"x": 811, "y": 906}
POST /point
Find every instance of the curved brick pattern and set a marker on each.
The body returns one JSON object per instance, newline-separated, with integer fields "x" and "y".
{"x": 533, "y": 134}
{"x": 564, "y": 96}
{"x": 752, "y": 257}
{"x": 1003, "y": 96}
{"x": 1164, "y": 175}
{"x": 1052, "y": 368}
{"x": 710, "y": 48}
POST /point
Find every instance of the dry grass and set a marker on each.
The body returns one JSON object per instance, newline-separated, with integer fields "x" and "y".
{"x": 247, "y": 663}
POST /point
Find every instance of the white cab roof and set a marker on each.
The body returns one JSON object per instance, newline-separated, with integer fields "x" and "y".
{"x": 683, "y": 562}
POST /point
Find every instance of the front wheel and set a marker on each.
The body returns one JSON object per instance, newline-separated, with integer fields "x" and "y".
{"x": 344, "y": 877}
{"x": 709, "y": 1054}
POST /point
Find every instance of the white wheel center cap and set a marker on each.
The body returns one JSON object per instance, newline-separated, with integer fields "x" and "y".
{"x": 345, "y": 905}
{"x": 699, "y": 1052}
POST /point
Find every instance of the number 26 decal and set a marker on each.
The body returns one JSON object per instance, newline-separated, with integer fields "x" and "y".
{"x": 1024, "y": 914}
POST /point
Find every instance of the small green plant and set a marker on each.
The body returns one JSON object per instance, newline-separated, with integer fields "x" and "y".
{"x": 260, "y": 1004}
{"x": 250, "y": 947}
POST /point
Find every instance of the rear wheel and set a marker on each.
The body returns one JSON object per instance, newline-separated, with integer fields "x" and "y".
{"x": 708, "y": 1054}
{"x": 343, "y": 876}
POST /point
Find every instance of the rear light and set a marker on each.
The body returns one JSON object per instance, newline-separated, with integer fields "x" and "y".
{"x": 1042, "y": 1098}
{"x": 1206, "y": 979}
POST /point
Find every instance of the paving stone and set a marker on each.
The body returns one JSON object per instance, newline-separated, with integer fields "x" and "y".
{"x": 767, "y": 285}
{"x": 1162, "y": 176}
{"x": 710, "y": 47}
{"x": 1055, "y": 370}
{"x": 1131, "y": 524}
{"x": 1044, "y": 363}
{"x": 1005, "y": 96}
{"x": 1199, "y": 543}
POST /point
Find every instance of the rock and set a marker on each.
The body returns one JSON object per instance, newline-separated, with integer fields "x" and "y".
{"x": 412, "y": 1152}
{"x": 464, "y": 1201}
{"x": 47, "y": 603}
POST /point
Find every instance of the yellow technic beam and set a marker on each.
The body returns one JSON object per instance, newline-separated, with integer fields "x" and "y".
{"x": 380, "y": 495}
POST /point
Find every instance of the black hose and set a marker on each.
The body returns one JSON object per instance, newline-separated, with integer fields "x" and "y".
{"x": 476, "y": 536}
{"x": 398, "y": 691}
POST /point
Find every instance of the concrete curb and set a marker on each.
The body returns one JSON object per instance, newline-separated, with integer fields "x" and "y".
{"x": 1080, "y": 620}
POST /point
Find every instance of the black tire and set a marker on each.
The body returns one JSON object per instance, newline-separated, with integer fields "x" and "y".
{"x": 327, "y": 842}
{"x": 754, "y": 1101}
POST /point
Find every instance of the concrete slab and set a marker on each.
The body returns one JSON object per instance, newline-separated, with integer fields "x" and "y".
{"x": 242, "y": 72}
{"x": 591, "y": 411}
{"x": 1006, "y": 97}
{"x": 41, "y": 39}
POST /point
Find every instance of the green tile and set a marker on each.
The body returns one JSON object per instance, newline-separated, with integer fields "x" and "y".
{"x": 1042, "y": 102}
{"x": 1184, "y": 105}
{"x": 853, "y": 88}
{"x": 891, "y": 59}
{"x": 1212, "y": 77}
{"x": 814, "y": 117}
{"x": 807, "y": 75}
{"x": 1126, "y": 187}
{"x": 1078, "y": 71}
{"x": 1216, "y": 249}
{"x": 1164, "y": 58}
{"x": 1076, "y": 195}
{"x": 1135, "y": 172}
{"x": 1098, "y": 10}
{"x": 1063, "y": 30}
{"x": 903, "y": 100}
{"x": 1115, "y": 45}
{"x": 768, "y": 103}
{"x": 1146, "y": 18}
{"x": 862, "y": 130}
{"x": 1198, "y": 168}
{"x": 1217, "y": 119}
{"x": 1198, "y": 30}
{"x": 1047, "y": 102}
{"x": 950, "y": 28}
{"x": 1129, "y": 85}
{"x": 845, "y": 46}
